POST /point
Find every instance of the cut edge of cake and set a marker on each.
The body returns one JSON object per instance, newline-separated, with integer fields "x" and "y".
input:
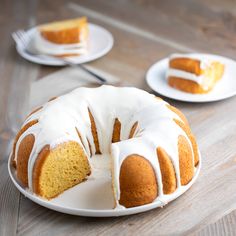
{"x": 192, "y": 74}
{"x": 70, "y": 31}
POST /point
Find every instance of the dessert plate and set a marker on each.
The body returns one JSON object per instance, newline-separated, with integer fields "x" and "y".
{"x": 100, "y": 43}
{"x": 225, "y": 88}
{"x": 93, "y": 197}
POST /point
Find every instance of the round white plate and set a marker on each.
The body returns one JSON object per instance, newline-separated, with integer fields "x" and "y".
{"x": 225, "y": 88}
{"x": 93, "y": 197}
{"x": 100, "y": 43}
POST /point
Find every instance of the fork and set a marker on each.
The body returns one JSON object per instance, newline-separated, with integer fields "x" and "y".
{"x": 22, "y": 39}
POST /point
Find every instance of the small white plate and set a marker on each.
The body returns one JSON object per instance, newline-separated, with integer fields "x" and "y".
{"x": 225, "y": 88}
{"x": 93, "y": 197}
{"x": 100, "y": 43}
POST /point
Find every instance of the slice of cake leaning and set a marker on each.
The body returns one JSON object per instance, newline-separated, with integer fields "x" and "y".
{"x": 71, "y": 31}
{"x": 193, "y": 74}
{"x": 56, "y": 38}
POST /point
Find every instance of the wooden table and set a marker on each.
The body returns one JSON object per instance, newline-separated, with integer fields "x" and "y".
{"x": 144, "y": 32}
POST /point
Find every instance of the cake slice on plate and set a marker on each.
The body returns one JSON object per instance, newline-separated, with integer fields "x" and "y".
{"x": 193, "y": 75}
{"x": 71, "y": 31}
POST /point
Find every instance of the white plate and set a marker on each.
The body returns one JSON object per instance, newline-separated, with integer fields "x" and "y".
{"x": 100, "y": 43}
{"x": 225, "y": 88}
{"x": 79, "y": 200}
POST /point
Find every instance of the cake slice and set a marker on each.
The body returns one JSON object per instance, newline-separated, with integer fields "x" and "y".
{"x": 193, "y": 75}
{"x": 71, "y": 31}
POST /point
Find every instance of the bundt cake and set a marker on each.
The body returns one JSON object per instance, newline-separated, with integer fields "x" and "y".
{"x": 153, "y": 152}
{"x": 193, "y": 74}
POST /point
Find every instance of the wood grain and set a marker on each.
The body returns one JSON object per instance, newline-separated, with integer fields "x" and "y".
{"x": 144, "y": 32}
{"x": 15, "y": 83}
{"x": 189, "y": 24}
{"x": 224, "y": 226}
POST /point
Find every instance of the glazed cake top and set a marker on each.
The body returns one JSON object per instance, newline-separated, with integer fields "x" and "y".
{"x": 59, "y": 118}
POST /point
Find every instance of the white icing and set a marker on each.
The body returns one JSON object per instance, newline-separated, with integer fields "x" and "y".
{"x": 45, "y": 47}
{"x": 58, "y": 118}
{"x": 185, "y": 75}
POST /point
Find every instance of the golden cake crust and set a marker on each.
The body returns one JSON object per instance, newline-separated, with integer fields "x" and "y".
{"x": 38, "y": 166}
{"x": 186, "y": 128}
{"x": 192, "y": 139}
{"x": 116, "y": 131}
{"x": 65, "y": 32}
{"x": 186, "y": 85}
{"x": 186, "y": 165}
{"x": 179, "y": 113}
{"x": 23, "y": 155}
{"x": 133, "y": 129}
{"x": 21, "y": 131}
{"x": 167, "y": 171}
{"x": 67, "y": 36}
{"x": 186, "y": 64}
{"x": 79, "y": 136}
{"x": 94, "y": 133}
{"x": 138, "y": 185}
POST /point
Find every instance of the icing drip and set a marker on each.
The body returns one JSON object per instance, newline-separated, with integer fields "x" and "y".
{"x": 58, "y": 118}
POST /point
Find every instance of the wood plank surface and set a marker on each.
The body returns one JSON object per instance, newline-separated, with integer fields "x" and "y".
{"x": 16, "y": 75}
{"x": 182, "y": 24}
{"x": 144, "y": 32}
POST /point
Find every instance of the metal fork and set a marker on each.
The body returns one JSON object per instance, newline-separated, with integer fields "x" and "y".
{"x": 22, "y": 39}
